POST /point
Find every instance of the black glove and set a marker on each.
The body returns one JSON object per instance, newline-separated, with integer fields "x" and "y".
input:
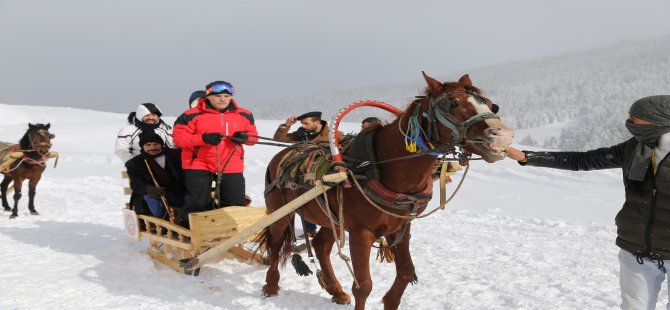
{"x": 155, "y": 192}
{"x": 240, "y": 137}
{"x": 213, "y": 138}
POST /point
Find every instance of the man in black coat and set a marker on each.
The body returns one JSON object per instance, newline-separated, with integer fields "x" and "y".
{"x": 643, "y": 223}
{"x": 166, "y": 169}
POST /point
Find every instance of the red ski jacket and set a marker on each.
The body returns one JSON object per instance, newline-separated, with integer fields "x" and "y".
{"x": 198, "y": 155}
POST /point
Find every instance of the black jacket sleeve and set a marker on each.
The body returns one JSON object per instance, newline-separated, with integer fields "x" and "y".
{"x": 603, "y": 158}
{"x": 137, "y": 174}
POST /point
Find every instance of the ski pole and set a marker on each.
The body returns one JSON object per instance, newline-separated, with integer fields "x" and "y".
{"x": 165, "y": 204}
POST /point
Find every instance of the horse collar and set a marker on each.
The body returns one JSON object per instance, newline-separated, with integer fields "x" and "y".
{"x": 399, "y": 201}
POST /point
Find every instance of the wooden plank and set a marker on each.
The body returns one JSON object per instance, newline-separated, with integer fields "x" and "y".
{"x": 174, "y": 264}
{"x": 317, "y": 190}
{"x": 124, "y": 174}
{"x": 173, "y": 227}
{"x": 175, "y": 243}
{"x": 245, "y": 254}
{"x": 127, "y": 191}
{"x": 224, "y": 222}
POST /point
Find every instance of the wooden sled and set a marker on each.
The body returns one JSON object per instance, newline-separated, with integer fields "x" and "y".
{"x": 321, "y": 186}
{"x": 170, "y": 243}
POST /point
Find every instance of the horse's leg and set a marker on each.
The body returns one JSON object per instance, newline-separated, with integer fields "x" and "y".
{"x": 17, "y": 195}
{"x": 278, "y": 234}
{"x": 3, "y": 192}
{"x": 32, "y": 185}
{"x": 404, "y": 269}
{"x": 360, "y": 243}
{"x": 323, "y": 245}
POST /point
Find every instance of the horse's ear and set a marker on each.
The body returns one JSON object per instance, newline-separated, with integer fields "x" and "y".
{"x": 465, "y": 80}
{"x": 31, "y": 126}
{"x": 434, "y": 86}
{"x": 47, "y": 126}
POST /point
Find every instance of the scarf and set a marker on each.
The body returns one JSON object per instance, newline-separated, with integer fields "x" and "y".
{"x": 655, "y": 109}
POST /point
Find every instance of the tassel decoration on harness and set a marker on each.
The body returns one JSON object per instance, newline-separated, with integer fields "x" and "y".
{"x": 300, "y": 267}
{"x": 384, "y": 252}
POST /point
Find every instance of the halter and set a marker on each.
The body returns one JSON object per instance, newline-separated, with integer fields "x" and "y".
{"x": 33, "y": 146}
{"x": 438, "y": 111}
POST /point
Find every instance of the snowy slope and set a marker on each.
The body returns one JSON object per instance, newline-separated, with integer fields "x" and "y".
{"x": 513, "y": 238}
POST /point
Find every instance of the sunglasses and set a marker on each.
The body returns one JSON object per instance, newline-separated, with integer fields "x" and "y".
{"x": 220, "y": 88}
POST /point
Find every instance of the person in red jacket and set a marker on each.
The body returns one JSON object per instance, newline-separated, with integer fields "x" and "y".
{"x": 211, "y": 136}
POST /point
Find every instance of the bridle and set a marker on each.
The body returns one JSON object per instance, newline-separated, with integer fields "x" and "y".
{"x": 34, "y": 146}
{"x": 439, "y": 113}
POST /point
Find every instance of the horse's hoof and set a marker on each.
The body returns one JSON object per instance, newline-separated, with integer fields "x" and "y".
{"x": 13, "y": 215}
{"x": 34, "y": 212}
{"x": 7, "y": 209}
{"x": 266, "y": 295}
{"x": 342, "y": 301}
{"x": 268, "y": 292}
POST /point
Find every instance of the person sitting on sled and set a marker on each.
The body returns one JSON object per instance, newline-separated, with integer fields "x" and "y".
{"x": 147, "y": 116}
{"x": 166, "y": 171}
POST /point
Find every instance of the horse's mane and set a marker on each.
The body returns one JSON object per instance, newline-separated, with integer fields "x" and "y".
{"x": 24, "y": 143}
{"x": 452, "y": 85}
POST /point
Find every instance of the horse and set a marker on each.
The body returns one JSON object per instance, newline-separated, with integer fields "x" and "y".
{"x": 35, "y": 144}
{"x": 450, "y": 115}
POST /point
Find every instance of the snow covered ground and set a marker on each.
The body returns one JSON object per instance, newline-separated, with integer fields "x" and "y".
{"x": 513, "y": 238}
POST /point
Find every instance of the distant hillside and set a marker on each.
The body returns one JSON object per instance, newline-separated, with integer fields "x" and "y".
{"x": 592, "y": 88}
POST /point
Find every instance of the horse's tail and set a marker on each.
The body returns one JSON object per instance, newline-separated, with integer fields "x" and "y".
{"x": 264, "y": 240}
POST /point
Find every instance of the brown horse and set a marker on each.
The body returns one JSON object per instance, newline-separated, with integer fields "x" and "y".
{"x": 449, "y": 115}
{"x": 35, "y": 145}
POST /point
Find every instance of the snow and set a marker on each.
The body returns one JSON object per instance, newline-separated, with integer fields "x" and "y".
{"x": 513, "y": 238}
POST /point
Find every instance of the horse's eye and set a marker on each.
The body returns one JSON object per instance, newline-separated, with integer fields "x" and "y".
{"x": 446, "y": 104}
{"x": 495, "y": 108}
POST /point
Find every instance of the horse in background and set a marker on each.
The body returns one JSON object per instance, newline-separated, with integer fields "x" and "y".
{"x": 445, "y": 117}
{"x": 35, "y": 145}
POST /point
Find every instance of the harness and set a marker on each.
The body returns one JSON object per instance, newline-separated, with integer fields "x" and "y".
{"x": 14, "y": 153}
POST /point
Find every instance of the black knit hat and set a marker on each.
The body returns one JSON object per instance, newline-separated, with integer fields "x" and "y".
{"x": 147, "y": 136}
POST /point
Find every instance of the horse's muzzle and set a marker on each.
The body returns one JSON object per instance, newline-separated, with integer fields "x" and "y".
{"x": 499, "y": 138}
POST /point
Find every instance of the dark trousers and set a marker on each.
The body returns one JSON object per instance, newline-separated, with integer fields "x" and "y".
{"x": 232, "y": 190}
{"x": 199, "y": 185}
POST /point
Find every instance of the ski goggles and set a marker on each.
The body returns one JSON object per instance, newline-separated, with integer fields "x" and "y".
{"x": 220, "y": 88}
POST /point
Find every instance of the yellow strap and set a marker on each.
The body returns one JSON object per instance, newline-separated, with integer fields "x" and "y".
{"x": 653, "y": 160}
{"x": 443, "y": 185}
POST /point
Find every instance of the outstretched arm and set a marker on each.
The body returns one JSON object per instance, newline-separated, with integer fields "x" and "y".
{"x": 602, "y": 158}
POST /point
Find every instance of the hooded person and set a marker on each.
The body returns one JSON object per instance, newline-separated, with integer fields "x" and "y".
{"x": 165, "y": 165}
{"x": 195, "y": 98}
{"x": 146, "y": 116}
{"x": 643, "y": 223}
{"x": 212, "y": 136}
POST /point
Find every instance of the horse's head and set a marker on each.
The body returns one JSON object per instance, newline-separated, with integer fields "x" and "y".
{"x": 458, "y": 114}
{"x": 37, "y": 138}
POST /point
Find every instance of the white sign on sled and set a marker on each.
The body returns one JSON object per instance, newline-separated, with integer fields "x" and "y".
{"x": 130, "y": 223}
